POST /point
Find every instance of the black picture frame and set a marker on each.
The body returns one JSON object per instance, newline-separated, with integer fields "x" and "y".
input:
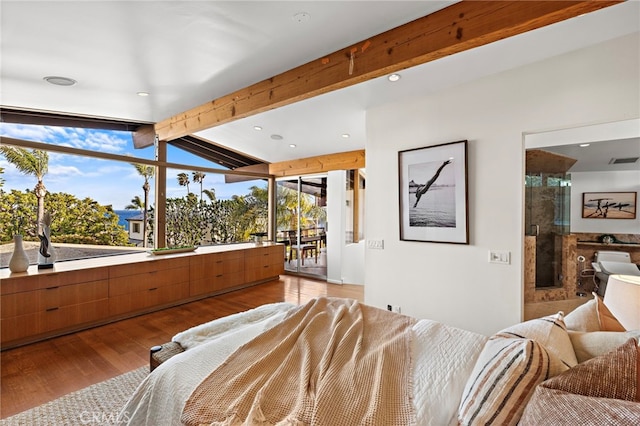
{"x": 434, "y": 193}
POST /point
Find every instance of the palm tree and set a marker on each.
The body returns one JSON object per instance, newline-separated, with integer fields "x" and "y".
{"x": 183, "y": 180}
{"x": 34, "y": 162}
{"x": 211, "y": 193}
{"x": 147, "y": 172}
{"x": 198, "y": 177}
{"x": 136, "y": 204}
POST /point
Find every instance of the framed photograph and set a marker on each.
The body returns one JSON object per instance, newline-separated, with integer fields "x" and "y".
{"x": 433, "y": 194}
{"x": 609, "y": 205}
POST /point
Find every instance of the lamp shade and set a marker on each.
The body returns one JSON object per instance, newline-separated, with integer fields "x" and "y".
{"x": 622, "y": 298}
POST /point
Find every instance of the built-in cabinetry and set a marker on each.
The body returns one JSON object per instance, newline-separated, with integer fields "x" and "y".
{"x": 261, "y": 264}
{"x": 37, "y": 305}
{"x": 216, "y": 272}
{"x": 139, "y": 286}
{"x": 79, "y": 294}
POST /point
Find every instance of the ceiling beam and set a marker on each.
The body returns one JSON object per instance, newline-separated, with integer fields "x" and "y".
{"x": 459, "y": 27}
{"x": 320, "y": 164}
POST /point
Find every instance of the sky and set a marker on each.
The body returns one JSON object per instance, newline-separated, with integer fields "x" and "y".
{"x": 107, "y": 182}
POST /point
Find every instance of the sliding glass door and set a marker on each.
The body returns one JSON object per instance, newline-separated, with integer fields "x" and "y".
{"x": 302, "y": 223}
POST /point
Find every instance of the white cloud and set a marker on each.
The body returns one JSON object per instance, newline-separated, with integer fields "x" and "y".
{"x": 60, "y": 171}
{"x": 90, "y": 139}
{"x": 19, "y": 131}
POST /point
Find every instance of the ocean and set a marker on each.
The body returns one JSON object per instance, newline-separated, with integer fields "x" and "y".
{"x": 123, "y": 215}
{"x": 436, "y": 209}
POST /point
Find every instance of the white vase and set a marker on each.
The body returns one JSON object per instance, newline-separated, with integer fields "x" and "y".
{"x": 19, "y": 260}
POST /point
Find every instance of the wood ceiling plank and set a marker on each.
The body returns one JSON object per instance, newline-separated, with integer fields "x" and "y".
{"x": 462, "y": 26}
{"x": 320, "y": 164}
{"x": 541, "y": 161}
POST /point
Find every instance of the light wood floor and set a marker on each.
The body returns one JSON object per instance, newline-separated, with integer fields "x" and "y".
{"x": 34, "y": 374}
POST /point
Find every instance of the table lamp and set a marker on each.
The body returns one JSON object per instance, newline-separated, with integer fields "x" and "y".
{"x": 622, "y": 298}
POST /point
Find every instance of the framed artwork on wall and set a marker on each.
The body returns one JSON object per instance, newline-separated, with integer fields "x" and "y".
{"x": 433, "y": 194}
{"x": 609, "y": 205}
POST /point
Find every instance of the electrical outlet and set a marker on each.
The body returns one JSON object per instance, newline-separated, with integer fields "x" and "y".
{"x": 375, "y": 244}
{"x": 500, "y": 256}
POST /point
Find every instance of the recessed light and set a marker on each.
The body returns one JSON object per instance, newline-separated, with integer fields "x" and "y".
{"x": 292, "y": 145}
{"x": 346, "y": 135}
{"x": 276, "y": 137}
{"x": 257, "y": 128}
{"x": 393, "y": 77}
{"x": 142, "y": 94}
{"x": 59, "y": 81}
{"x": 582, "y": 145}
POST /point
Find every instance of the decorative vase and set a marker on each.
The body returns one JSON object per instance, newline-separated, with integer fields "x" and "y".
{"x": 19, "y": 260}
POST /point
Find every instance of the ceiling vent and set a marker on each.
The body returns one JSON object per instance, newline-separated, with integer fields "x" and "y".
{"x": 629, "y": 160}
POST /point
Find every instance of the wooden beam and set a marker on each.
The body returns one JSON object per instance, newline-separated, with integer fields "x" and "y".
{"x": 144, "y": 136}
{"x": 255, "y": 168}
{"x": 323, "y": 163}
{"x": 160, "y": 217}
{"x": 459, "y": 27}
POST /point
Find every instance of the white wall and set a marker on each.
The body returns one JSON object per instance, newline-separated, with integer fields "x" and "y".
{"x": 621, "y": 181}
{"x": 455, "y": 283}
{"x": 345, "y": 262}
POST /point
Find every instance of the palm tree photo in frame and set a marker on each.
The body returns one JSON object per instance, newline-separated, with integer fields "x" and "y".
{"x": 609, "y": 205}
{"x": 433, "y": 194}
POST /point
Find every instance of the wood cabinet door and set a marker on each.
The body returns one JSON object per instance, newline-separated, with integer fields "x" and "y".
{"x": 147, "y": 299}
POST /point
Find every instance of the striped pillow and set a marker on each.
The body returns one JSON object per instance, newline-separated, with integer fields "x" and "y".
{"x": 502, "y": 381}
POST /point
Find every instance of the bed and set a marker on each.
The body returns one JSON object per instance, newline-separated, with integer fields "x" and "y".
{"x": 338, "y": 362}
{"x": 442, "y": 359}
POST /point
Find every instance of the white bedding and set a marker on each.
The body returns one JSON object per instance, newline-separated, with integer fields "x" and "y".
{"x": 443, "y": 359}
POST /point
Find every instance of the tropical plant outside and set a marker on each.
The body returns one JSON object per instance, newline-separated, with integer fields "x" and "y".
{"x": 193, "y": 222}
{"x": 198, "y": 177}
{"x": 31, "y": 162}
{"x": 189, "y": 220}
{"x": 287, "y": 210}
{"x": 73, "y": 220}
{"x": 147, "y": 172}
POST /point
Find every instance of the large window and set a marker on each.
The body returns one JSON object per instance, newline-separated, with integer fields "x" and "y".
{"x": 100, "y": 192}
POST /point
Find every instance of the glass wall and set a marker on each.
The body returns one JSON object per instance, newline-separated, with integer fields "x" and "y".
{"x": 301, "y": 223}
{"x": 547, "y": 217}
{"x": 205, "y": 208}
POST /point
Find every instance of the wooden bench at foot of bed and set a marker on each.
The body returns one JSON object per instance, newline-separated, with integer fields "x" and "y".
{"x": 161, "y": 353}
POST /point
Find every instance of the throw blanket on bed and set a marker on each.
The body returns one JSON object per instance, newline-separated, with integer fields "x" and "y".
{"x": 330, "y": 362}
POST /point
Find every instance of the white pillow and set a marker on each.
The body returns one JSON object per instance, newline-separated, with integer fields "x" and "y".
{"x": 551, "y": 333}
{"x": 583, "y": 318}
{"x": 596, "y": 343}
